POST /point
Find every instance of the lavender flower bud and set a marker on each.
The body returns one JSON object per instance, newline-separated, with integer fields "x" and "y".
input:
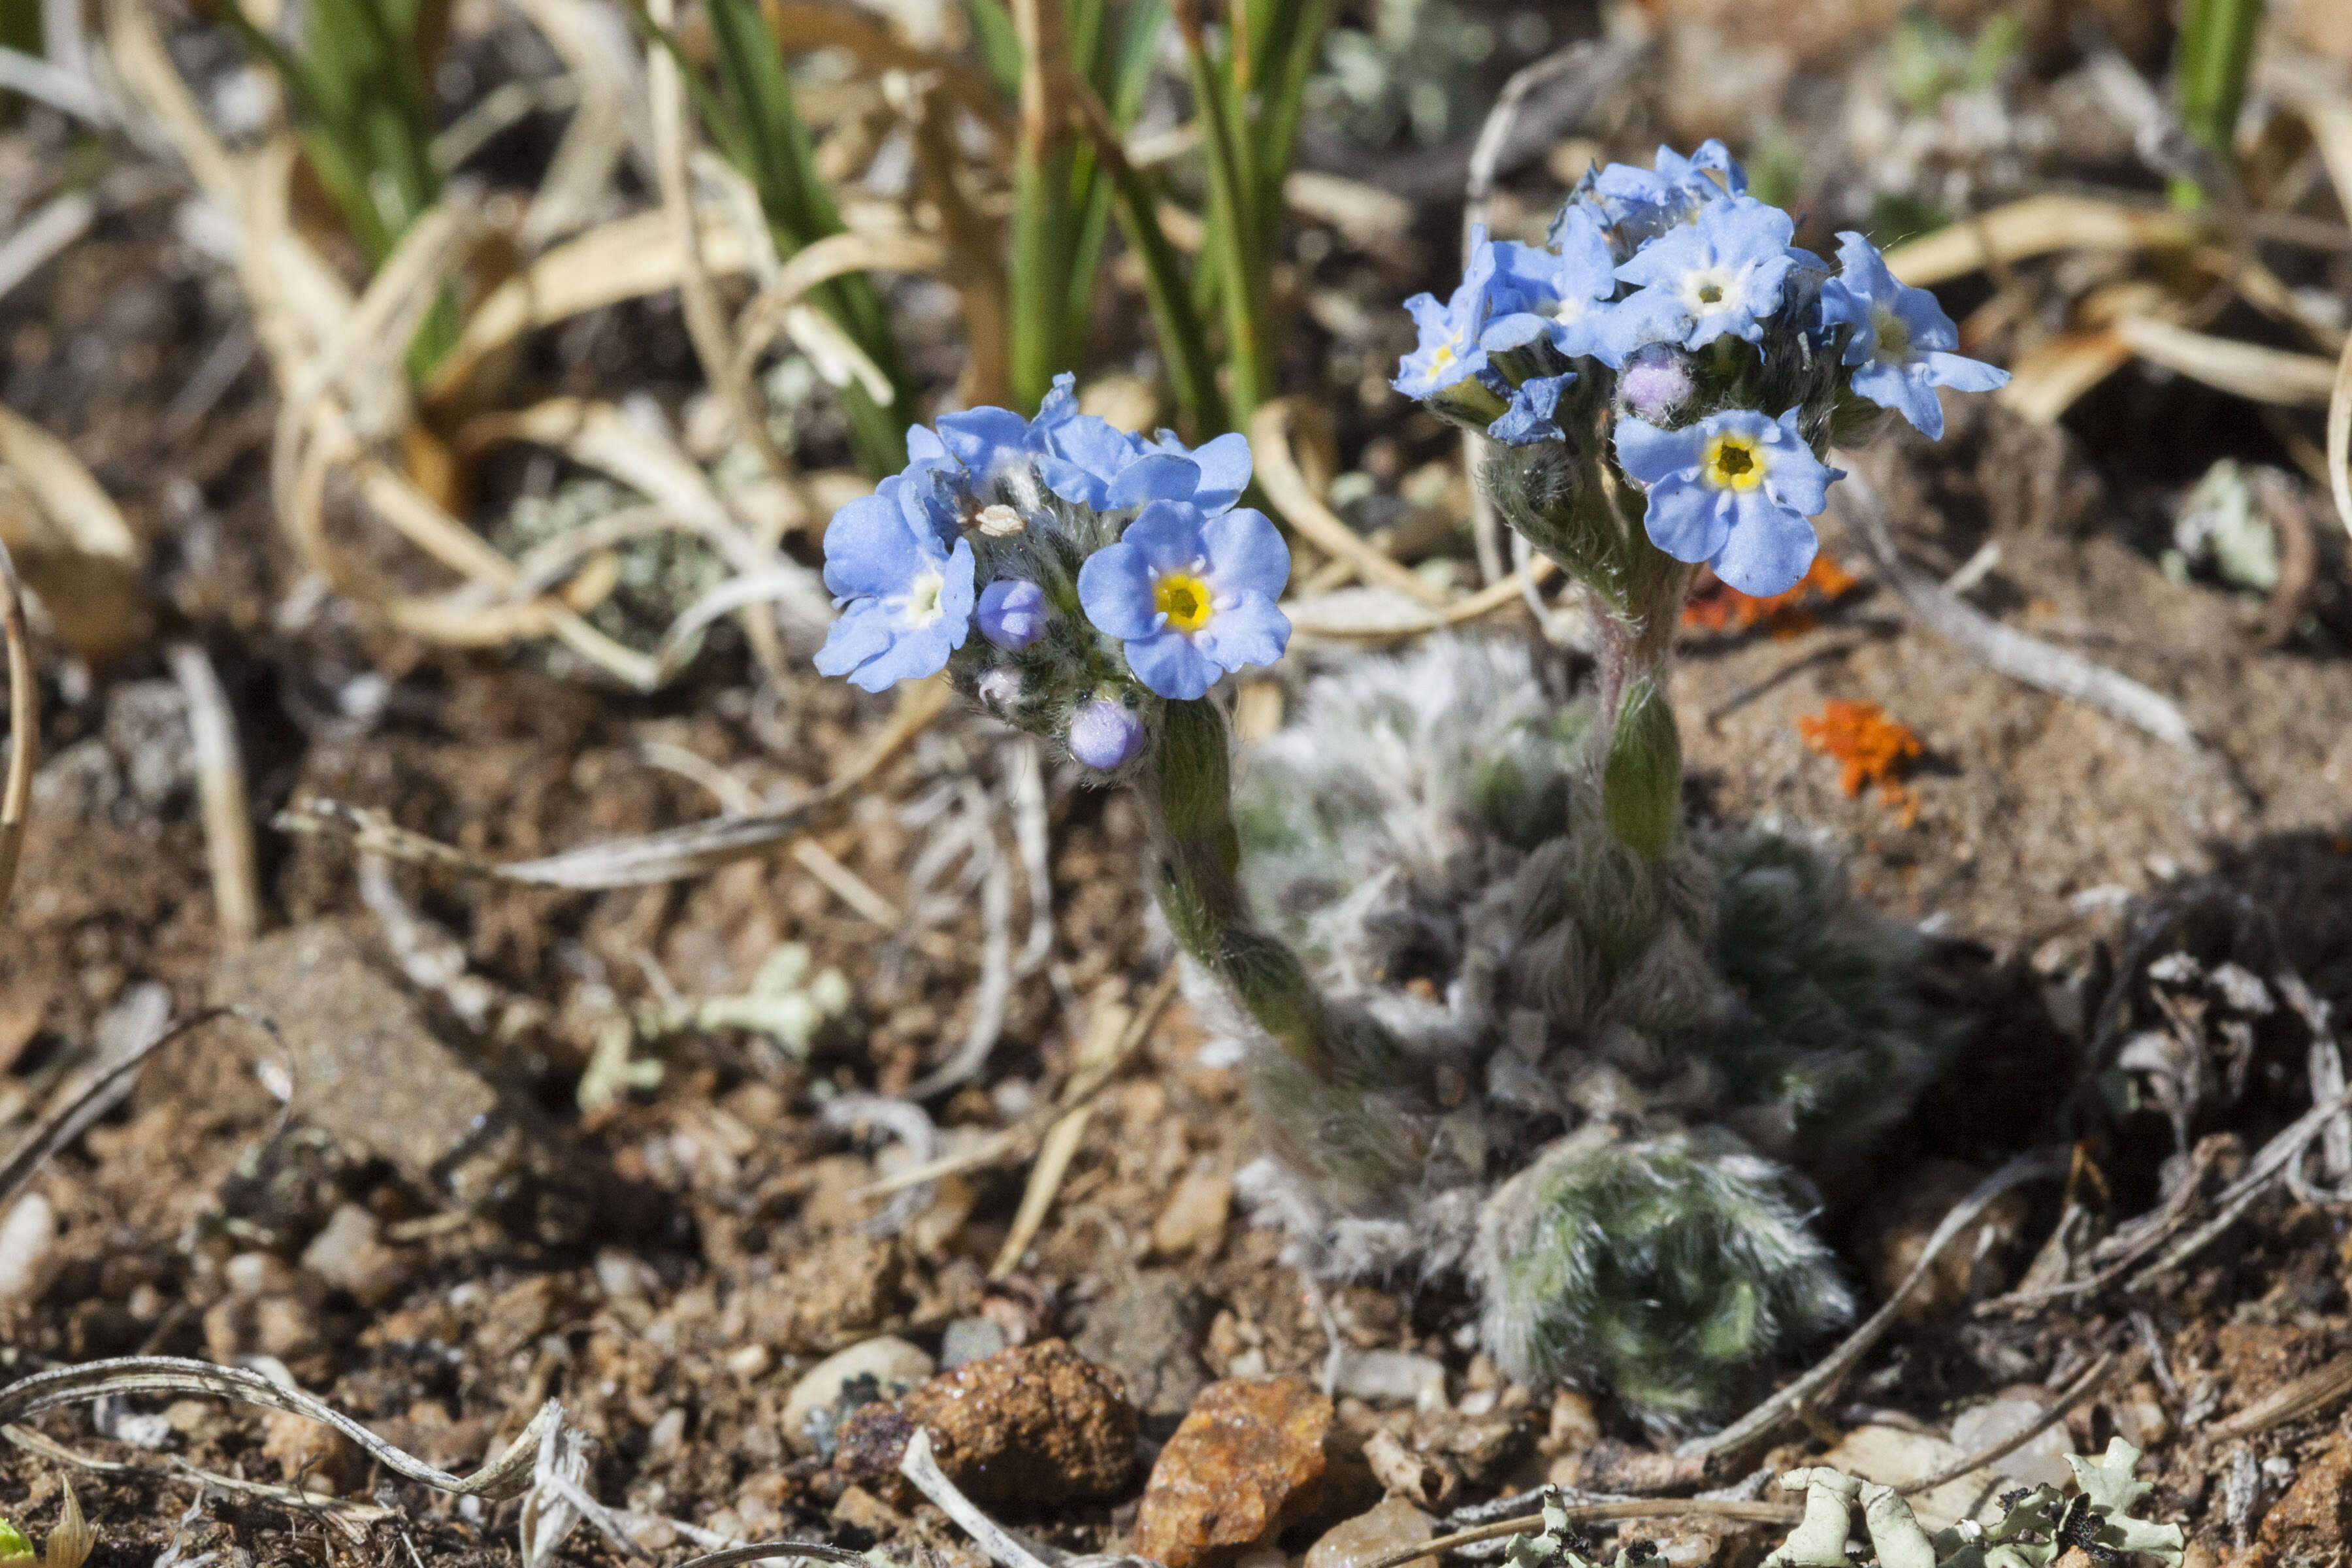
{"x": 1656, "y": 381}
{"x": 1104, "y": 734}
{"x": 1013, "y": 613}
{"x": 1000, "y": 689}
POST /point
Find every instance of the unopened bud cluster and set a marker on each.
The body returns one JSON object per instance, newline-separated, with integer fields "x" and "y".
{"x": 1072, "y": 577}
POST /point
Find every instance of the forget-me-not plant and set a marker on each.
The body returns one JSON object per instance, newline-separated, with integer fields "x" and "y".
{"x": 1663, "y": 380}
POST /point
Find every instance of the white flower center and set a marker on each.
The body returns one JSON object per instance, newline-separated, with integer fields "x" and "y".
{"x": 1569, "y": 311}
{"x": 1707, "y": 289}
{"x": 1893, "y": 337}
{"x": 919, "y": 605}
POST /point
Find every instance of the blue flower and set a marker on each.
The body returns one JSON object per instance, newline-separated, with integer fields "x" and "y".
{"x": 1085, "y": 460}
{"x": 1013, "y": 613}
{"x": 1191, "y": 595}
{"x": 1721, "y": 273}
{"x": 1104, "y": 734}
{"x": 1449, "y": 348}
{"x": 1557, "y": 293}
{"x": 1646, "y": 202}
{"x": 1902, "y": 339}
{"x": 892, "y": 558}
{"x": 1735, "y": 491}
{"x": 1530, "y": 417}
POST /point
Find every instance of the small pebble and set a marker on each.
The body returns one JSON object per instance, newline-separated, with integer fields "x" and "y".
{"x": 1194, "y": 1219}
{"x": 2041, "y": 1462}
{"x": 28, "y": 1237}
{"x": 1392, "y": 1526}
{"x": 350, "y": 1255}
{"x": 969, "y": 1340}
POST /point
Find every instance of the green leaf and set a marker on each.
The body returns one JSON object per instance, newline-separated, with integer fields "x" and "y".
{"x": 1640, "y": 782}
{"x": 14, "y": 1547}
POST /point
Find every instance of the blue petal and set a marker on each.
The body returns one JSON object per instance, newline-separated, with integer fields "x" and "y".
{"x": 863, "y": 630}
{"x": 1169, "y": 665}
{"x": 956, "y": 592}
{"x": 978, "y": 436}
{"x": 1115, "y": 590}
{"x": 1652, "y": 316}
{"x": 1516, "y": 331}
{"x": 869, "y": 549}
{"x": 1155, "y": 476}
{"x": 1686, "y": 520}
{"x": 1924, "y": 321}
{"x": 1905, "y": 390}
{"x": 1797, "y": 479}
{"x": 1769, "y": 549}
{"x": 1964, "y": 375}
{"x": 1650, "y": 455}
{"x": 1224, "y": 465}
{"x": 1074, "y": 482}
{"x": 923, "y": 444}
{"x": 1249, "y": 631}
{"x": 911, "y": 657}
{"x": 1168, "y": 532}
{"x": 1095, "y": 445}
{"x": 1059, "y": 405}
{"x": 1667, "y": 257}
{"x": 1246, "y": 554}
{"x": 1841, "y": 306}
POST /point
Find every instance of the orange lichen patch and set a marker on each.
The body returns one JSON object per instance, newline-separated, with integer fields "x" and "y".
{"x": 1717, "y": 606}
{"x": 1869, "y": 748}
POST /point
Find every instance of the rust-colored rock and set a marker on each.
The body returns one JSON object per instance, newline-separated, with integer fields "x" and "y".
{"x": 2312, "y": 1524}
{"x": 1247, "y": 1460}
{"x": 1024, "y": 1432}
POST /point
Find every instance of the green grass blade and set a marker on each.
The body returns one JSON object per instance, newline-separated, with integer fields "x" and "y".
{"x": 2217, "y": 46}
{"x": 1231, "y": 250}
{"x": 1192, "y": 372}
{"x": 1000, "y": 44}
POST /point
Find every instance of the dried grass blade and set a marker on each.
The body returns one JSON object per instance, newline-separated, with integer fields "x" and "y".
{"x": 78, "y": 554}
{"x": 2247, "y": 370}
{"x": 65, "y": 1122}
{"x": 2292, "y": 1401}
{"x": 2339, "y": 438}
{"x": 2034, "y": 226}
{"x": 611, "y": 118}
{"x": 23, "y": 734}
{"x": 1007, "y": 1549}
{"x": 1277, "y": 472}
{"x": 774, "y": 1551}
{"x": 768, "y": 316}
{"x": 221, "y": 794}
{"x": 625, "y": 259}
{"x": 507, "y": 1476}
{"x": 1104, "y": 1038}
{"x": 1375, "y": 615}
{"x": 653, "y": 857}
{"x": 349, "y": 1517}
{"x": 2001, "y": 1448}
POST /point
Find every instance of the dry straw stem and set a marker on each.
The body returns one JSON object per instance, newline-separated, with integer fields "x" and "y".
{"x": 1076, "y": 1095}
{"x": 1271, "y": 430}
{"x": 351, "y": 1517}
{"x": 2089, "y": 1383}
{"x": 221, "y": 794}
{"x": 1375, "y": 614}
{"x": 66, "y": 1122}
{"x": 665, "y": 856}
{"x": 1820, "y": 1383}
{"x": 74, "y": 548}
{"x": 2246, "y": 370}
{"x": 2339, "y": 438}
{"x": 507, "y": 1475}
{"x": 2034, "y": 226}
{"x": 24, "y": 730}
{"x": 2056, "y": 670}
{"x": 2296, "y": 1400}
{"x": 1601, "y": 1513}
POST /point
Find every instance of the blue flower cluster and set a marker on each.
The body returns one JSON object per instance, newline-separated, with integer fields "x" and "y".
{"x": 1104, "y": 571}
{"x": 1670, "y": 305}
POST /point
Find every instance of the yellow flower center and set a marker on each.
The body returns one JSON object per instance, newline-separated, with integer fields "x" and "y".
{"x": 1443, "y": 355}
{"x": 1733, "y": 463}
{"x": 1184, "y": 600}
